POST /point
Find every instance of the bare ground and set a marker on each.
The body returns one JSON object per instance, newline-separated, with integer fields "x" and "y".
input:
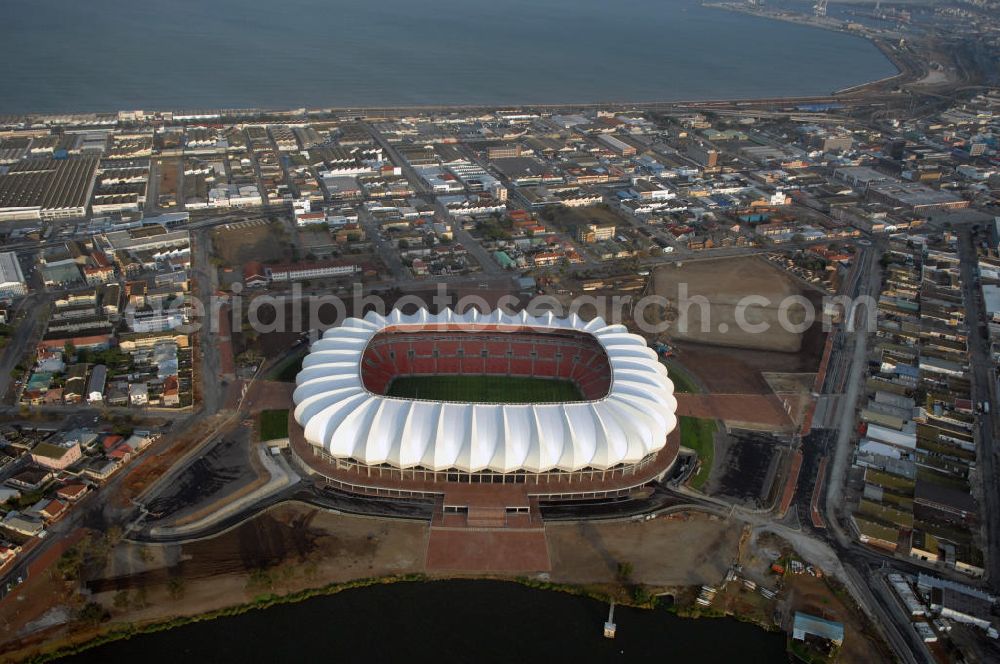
{"x": 294, "y": 547}
{"x": 704, "y": 297}
{"x": 250, "y": 240}
{"x": 665, "y": 552}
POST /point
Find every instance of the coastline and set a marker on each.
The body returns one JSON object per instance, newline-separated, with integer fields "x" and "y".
{"x": 392, "y": 109}
{"x": 904, "y": 74}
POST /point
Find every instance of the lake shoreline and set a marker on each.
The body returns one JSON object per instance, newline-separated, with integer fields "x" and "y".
{"x": 297, "y": 552}
{"x": 114, "y": 632}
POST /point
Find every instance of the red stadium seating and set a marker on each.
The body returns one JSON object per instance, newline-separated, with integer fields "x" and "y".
{"x": 566, "y": 355}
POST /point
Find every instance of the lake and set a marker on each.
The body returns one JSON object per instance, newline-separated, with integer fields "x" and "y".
{"x": 448, "y": 621}
{"x": 109, "y": 55}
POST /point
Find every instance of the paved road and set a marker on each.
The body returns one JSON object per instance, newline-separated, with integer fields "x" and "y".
{"x": 204, "y": 275}
{"x": 389, "y": 253}
{"x": 420, "y": 186}
{"x": 867, "y": 284}
{"x": 153, "y": 186}
{"x": 983, "y": 390}
{"x": 424, "y": 192}
{"x": 860, "y": 565}
{"x": 489, "y": 266}
{"x": 864, "y": 569}
{"x": 28, "y": 328}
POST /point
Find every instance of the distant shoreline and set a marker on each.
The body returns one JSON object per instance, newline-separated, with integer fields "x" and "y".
{"x": 620, "y": 96}
{"x": 901, "y": 72}
{"x": 317, "y": 113}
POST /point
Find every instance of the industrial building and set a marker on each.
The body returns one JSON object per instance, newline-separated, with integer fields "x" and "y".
{"x": 12, "y": 282}
{"x": 806, "y": 625}
{"x": 913, "y": 196}
{"x": 96, "y": 384}
{"x": 859, "y": 177}
{"x": 47, "y": 189}
{"x": 320, "y": 270}
{"x": 619, "y": 147}
{"x": 150, "y": 238}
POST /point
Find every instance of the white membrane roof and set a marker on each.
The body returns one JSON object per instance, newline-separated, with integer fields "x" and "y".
{"x": 341, "y": 416}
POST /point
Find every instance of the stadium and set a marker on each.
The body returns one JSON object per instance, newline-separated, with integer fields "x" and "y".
{"x": 483, "y": 409}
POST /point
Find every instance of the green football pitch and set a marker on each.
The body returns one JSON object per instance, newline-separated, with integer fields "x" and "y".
{"x": 484, "y": 389}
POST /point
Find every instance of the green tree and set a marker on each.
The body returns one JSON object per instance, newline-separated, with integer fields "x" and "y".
{"x": 260, "y": 579}
{"x": 175, "y": 587}
{"x": 121, "y": 599}
{"x": 140, "y": 600}
{"x": 70, "y": 563}
{"x": 92, "y": 613}
{"x": 113, "y": 535}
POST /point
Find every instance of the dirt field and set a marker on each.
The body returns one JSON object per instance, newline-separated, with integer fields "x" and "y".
{"x": 721, "y": 287}
{"x": 740, "y": 371}
{"x": 297, "y": 545}
{"x": 252, "y": 240}
{"x": 294, "y": 547}
{"x": 169, "y": 171}
{"x": 495, "y": 551}
{"x": 755, "y": 409}
{"x": 568, "y": 218}
{"x": 318, "y": 244}
{"x": 814, "y": 595}
{"x": 306, "y": 547}
{"x": 667, "y": 552}
{"x": 30, "y": 604}
{"x": 269, "y": 395}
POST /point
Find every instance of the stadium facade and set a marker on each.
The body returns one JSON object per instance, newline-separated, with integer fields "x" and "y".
{"x": 618, "y": 436}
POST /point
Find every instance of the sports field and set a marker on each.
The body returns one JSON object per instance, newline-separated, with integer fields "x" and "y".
{"x": 273, "y": 424}
{"x": 484, "y": 389}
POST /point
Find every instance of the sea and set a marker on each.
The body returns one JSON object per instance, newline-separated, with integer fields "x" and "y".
{"x": 106, "y": 55}
{"x": 449, "y": 621}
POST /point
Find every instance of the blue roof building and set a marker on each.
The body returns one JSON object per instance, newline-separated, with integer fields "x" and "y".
{"x": 806, "y": 625}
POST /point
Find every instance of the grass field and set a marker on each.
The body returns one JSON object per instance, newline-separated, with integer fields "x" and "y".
{"x": 682, "y": 381}
{"x": 287, "y": 370}
{"x": 484, "y": 389}
{"x": 699, "y": 435}
{"x": 273, "y": 424}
